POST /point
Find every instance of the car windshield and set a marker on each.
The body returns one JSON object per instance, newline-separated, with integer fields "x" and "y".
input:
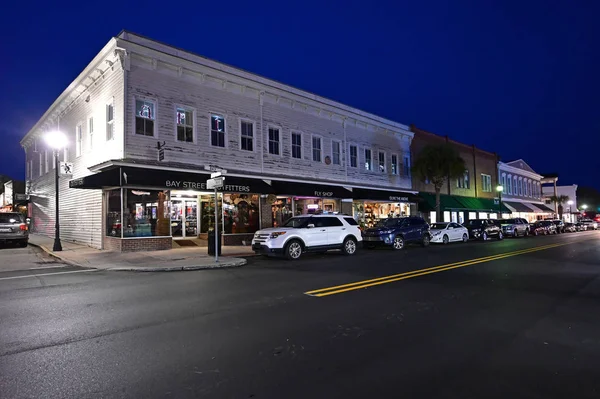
{"x": 297, "y": 222}
{"x": 10, "y": 218}
{"x": 392, "y": 222}
{"x": 509, "y": 221}
{"x": 438, "y": 226}
{"x": 475, "y": 222}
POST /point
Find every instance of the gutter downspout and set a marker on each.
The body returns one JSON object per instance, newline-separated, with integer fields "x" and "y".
{"x": 475, "y": 171}
{"x": 262, "y": 132}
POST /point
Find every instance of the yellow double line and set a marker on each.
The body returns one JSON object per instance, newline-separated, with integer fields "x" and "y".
{"x": 338, "y": 289}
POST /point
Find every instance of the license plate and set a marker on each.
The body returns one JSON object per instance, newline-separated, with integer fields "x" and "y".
{"x": 5, "y": 230}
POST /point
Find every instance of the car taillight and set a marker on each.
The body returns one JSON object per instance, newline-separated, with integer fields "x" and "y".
{"x": 23, "y": 227}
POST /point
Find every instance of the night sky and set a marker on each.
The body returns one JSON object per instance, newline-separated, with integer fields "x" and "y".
{"x": 521, "y": 78}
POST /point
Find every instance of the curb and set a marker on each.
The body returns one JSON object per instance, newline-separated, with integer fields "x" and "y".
{"x": 62, "y": 259}
{"x": 229, "y": 264}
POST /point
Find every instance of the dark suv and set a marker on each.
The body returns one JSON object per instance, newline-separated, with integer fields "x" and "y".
{"x": 483, "y": 229}
{"x": 397, "y": 232}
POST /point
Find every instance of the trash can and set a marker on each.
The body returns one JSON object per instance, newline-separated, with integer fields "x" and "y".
{"x": 211, "y": 243}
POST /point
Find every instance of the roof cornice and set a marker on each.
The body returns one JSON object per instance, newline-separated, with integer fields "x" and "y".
{"x": 503, "y": 167}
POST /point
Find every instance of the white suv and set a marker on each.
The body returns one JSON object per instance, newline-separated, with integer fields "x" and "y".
{"x": 309, "y": 233}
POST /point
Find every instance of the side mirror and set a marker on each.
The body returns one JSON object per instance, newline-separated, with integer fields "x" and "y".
{"x": 310, "y": 226}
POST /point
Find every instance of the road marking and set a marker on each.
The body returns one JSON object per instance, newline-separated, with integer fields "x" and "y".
{"x": 49, "y": 274}
{"x": 421, "y": 272}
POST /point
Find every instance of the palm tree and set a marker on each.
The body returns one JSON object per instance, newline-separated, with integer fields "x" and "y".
{"x": 560, "y": 200}
{"x": 436, "y": 164}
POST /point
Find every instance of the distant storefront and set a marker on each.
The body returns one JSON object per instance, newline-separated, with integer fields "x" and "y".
{"x": 460, "y": 209}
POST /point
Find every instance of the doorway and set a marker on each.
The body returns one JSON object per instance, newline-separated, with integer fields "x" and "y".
{"x": 184, "y": 218}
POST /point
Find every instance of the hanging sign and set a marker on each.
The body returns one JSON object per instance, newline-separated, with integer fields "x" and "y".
{"x": 66, "y": 168}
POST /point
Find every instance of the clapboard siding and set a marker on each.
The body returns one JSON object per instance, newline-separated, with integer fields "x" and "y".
{"x": 80, "y": 210}
{"x": 169, "y": 87}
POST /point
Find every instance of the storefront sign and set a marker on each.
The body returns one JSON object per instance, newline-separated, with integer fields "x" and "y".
{"x": 398, "y": 199}
{"x": 323, "y": 193}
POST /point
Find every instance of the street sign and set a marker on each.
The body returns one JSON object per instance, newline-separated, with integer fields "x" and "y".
{"x": 496, "y": 201}
{"x": 161, "y": 154}
{"x": 215, "y": 183}
{"x": 66, "y": 168}
{"x": 215, "y": 175}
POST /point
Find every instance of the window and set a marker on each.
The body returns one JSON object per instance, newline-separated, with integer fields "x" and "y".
{"x": 406, "y": 166}
{"x": 30, "y": 170}
{"x": 144, "y": 117}
{"x": 46, "y": 166}
{"x": 146, "y": 213}
{"x": 335, "y": 153}
{"x": 381, "y": 159}
{"x": 368, "y": 160}
{"x": 35, "y": 145}
{"x": 78, "y": 140}
{"x": 41, "y": 171}
{"x": 247, "y": 135}
{"x": 394, "y": 164}
{"x": 463, "y": 181}
{"x": 520, "y": 186}
{"x": 110, "y": 118}
{"x": 515, "y": 191}
{"x": 509, "y": 183}
{"x": 316, "y": 149}
{"x": 274, "y": 142}
{"x": 529, "y": 188}
{"x": 503, "y": 183}
{"x": 297, "y": 145}
{"x": 486, "y": 183}
{"x": 217, "y": 131}
{"x": 66, "y": 154}
{"x": 91, "y": 131}
{"x": 185, "y": 124}
{"x": 525, "y": 192}
{"x": 353, "y": 156}
{"x": 241, "y": 213}
{"x": 351, "y": 221}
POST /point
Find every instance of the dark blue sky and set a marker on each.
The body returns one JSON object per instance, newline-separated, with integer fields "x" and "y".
{"x": 521, "y": 78}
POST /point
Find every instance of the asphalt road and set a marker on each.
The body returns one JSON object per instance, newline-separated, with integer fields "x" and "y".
{"x": 519, "y": 320}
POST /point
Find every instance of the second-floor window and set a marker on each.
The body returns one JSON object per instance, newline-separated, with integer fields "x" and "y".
{"x": 144, "y": 117}
{"x": 394, "y": 164}
{"x": 515, "y": 190}
{"x": 520, "y": 186}
{"x": 353, "y": 156}
{"x": 91, "y": 131}
{"x": 486, "y": 183}
{"x": 316, "y": 149}
{"x": 504, "y": 184}
{"x": 46, "y": 162}
{"x": 406, "y": 166}
{"x": 274, "y": 141}
{"x": 368, "y": 159}
{"x": 217, "y": 131}
{"x": 381, "y": 163}
{"x": 529, "y": 188}
{"x": 185, "y": 124}
{"x": 509, "y": 184}
{"x": 78, "y": 140}
{"x": 463, "y": 181}
{"x": 41, "y": 170}
{"x": 297, "y": 145}
{"x": 335, "y": 153}
{"x": 110, "y": 118}
{"x": 247, "y": 136}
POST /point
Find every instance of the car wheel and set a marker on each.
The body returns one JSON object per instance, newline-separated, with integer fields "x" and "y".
{"x": 398, "y": 243}
{"x": 500, "y": 236}
{"x": 484, "y": 236}
{"x": 425, "y": 241}
{"x": 527, "y": 233}
{"x": 293, "y": 250}
{"x": 515, "y": 233}
{"x": 465, "y": 238}
{"x": 349, "y": 246}
{"x": 445, "y": 239}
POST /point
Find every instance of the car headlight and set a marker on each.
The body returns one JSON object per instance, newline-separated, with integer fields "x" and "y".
{"x": 277, "y": 234}
{"x": 476, "y": 230}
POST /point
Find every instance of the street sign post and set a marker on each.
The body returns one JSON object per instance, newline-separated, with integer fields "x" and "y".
{"x": 215, "y": 182}
{"x": 66, "y": 168}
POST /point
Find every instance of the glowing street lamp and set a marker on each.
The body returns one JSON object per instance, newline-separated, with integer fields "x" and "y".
{"x": 499, "y": 189}
{"x": 57, "y": 141}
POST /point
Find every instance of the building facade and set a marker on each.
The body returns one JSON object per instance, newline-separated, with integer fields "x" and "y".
{"x": 473, "y": 195}
{"x": 522, "y": 190}
{"x": 570, "y": 207}
{"x": 146, "y": 122}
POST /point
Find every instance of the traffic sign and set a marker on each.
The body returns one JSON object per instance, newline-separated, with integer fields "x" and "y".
{"x": 215, "y": 183}
{"x": 66, "y": 168}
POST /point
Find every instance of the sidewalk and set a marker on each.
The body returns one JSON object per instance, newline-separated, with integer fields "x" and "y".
{"x": 177, "y": 259}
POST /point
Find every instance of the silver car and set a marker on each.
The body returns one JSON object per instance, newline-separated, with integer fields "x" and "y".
{"x": 13, "y": 228}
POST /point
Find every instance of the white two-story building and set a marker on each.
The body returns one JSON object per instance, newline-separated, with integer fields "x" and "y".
{"x": 144, "y": 120}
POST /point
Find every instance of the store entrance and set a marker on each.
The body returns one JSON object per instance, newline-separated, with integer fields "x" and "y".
{"x": 184, "y": 217}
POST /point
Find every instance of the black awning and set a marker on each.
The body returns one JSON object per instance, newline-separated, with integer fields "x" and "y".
{"x": 544, "y": 208}
{"x": 309, "y": 190}
{"x": 518, "y": 206}
{"x": 108, "y": 178}
{"x": 384, "y": 195}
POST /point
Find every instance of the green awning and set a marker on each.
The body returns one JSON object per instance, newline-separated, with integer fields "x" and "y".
{"x": 447, "y": 202}
{"x": 458, "y": 203}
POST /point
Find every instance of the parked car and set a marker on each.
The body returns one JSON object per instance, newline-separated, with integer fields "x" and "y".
{"x": 483, "y": 229}
{"x": 590, "y": 224}
{"x": 309, "y": 233}
{"x": 543, "y": 227}
{"x": 445, "y": 233}
{"x": 515, "y": 227}
{"x": 560, "y": 225}
{"x": 580, "y": 226}
{"x": 570, "y": 228}
{"x": 397, "y": 232}
{"x": 13, "y": 228}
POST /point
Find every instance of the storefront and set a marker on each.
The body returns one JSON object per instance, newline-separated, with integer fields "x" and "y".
{"x": 370, "y": 206}
{"x": 459, "y": 209}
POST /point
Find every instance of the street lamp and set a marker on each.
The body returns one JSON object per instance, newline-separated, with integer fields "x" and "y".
{"x": 584, "y": 207}
{"x": 570, "y": 203}
{"x": 57, "y": 141}
{"x": 499, "y": 189}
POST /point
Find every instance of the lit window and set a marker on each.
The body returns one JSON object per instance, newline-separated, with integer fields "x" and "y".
{"x": 217, "y": 131}
{"x": 185, "y": 124}
{"x": 353, "y": 156}
{"x": 335, "y": 152}
{"x": 274, "y": 141}
{"x": 110, "y": 118}
{"x": 368, "y": 160}
{"x": 381, "y": 159}
{"x": 144, "y": 118}
{"x": 316, "y": 149}
{"x": 297, "y": 145}
{"x": 247, "y": 136}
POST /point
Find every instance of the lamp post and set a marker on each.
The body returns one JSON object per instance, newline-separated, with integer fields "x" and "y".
{"x": 499, "y": 189}
{"x": 57, "y": 141}
{"x": 570, "y": 203}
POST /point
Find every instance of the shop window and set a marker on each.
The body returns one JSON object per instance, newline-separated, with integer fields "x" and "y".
{"x": 110, "y": 119}
{"x": 472, "y": 215}
{"x": 353, "y": 156}
{"x": 207, "y": 213}
{"x": 281, "y": 208}
{"x": 144, "y": 117}
{"x": 247, "y": 136}
{"x": 274, "y": 141}
{"x": 185, "y": 124}
{"x": 78, "y": 141}
{"x": 217, "y": 131}
{"x": 113, "y": 213}
{"x": 316, "y": 149}
{"x": 368, "y": 159}
{"x": 486, "y": 183}
{"x": 240, "y": 213}
{"x": 394, "y": 164}
{"x": 381, "y": 159}
{"x": 335, "y": 152}
{"x": 447, "y": 216}
{"x": 297, "y": 145}
{"x": 146, "y": 213}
